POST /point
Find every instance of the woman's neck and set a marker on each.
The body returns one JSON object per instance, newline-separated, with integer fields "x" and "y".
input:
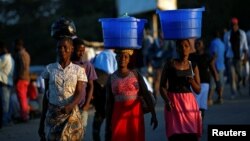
{"x": 122, "y": 72}
{"x": 182, "y": 63}
{"x": 184, "y": 59}
{"x": 64, "y": 64}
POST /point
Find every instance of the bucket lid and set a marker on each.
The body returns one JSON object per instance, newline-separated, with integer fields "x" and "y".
{"x": 124, "y": 18}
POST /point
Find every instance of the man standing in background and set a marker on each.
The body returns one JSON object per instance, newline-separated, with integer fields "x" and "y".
{"x": 21, "y": 77}
{"x": 236, "y": 53}
{"x": 217, "y": 51}
{"x": 6, "y": 83}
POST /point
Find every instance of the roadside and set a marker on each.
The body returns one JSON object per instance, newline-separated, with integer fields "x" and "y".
{"x": 230, "y": 112}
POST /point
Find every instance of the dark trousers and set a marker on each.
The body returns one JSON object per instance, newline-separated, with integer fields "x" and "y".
{"x": 97, "y": 123}
{"x": 99, "y": 104}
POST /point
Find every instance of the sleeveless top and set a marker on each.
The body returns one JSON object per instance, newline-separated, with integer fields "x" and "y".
{"x": 178, "y": 79}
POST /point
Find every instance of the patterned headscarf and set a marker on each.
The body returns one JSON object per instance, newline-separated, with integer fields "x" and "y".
{"x": 128, "y": 51}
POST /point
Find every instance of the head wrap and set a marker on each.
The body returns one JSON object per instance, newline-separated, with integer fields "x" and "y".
{"x": 128, "y": 51}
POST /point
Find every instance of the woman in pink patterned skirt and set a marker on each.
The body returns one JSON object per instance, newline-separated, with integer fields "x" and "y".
{"x": 182, "y": 115}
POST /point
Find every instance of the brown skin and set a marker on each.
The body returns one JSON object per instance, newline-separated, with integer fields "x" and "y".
{"x": 64, "y": 50}
{"x": 235, "y": 27}
{"x": 123, "y": 61}
{"x": 184, "y": 49}
{"x": 80, "y": 49}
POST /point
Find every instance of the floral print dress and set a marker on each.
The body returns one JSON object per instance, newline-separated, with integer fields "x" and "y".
{"x": 62, "y": 85}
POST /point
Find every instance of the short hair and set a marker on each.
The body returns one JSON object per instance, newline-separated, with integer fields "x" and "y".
{"x": 19, "y": 42}
{"x": 77, "y": 41}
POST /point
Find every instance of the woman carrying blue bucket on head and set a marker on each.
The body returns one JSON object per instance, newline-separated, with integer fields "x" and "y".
{"x": 124, "y": 112}
{"x": 180, "y": 76}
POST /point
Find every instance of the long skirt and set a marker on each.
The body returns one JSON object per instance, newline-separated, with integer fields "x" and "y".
{"x": 63, "y": 127}
{"x": 185, "y": 117}
{"x": 128, "y": 121}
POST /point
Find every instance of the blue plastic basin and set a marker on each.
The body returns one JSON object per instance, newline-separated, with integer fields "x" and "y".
{"x": 124, "y": 32}
{"x": 181, "y": 23}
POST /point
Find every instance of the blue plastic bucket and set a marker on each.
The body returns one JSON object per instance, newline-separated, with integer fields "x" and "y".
{"x": 181, "y": 23}
{"x": 123, "y": 33}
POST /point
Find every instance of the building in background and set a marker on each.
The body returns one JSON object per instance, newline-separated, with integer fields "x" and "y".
{"x": 142, "y": 7}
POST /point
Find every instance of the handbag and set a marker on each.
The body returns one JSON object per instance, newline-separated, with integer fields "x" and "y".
{"x": 148, "y": 100}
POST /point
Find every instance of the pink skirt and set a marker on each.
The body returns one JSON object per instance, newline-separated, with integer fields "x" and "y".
{"x": 184, "y": 117}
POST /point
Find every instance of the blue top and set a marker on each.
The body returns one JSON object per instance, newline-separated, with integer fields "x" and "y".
{"x": 217, "y": 48}
{"x": 105, "y": 61}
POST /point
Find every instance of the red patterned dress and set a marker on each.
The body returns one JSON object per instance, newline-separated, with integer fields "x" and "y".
{"x": 127, "y": 116}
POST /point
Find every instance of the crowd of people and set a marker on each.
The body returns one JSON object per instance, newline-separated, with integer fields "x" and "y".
{"x": 185, "y": 76}
{"x": 19, "y": 94}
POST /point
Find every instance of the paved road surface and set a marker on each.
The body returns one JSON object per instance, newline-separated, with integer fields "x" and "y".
{"x": 231, "y": 112}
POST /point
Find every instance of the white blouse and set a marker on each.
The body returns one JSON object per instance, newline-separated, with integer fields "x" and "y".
{"x": 62, "y": 82}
